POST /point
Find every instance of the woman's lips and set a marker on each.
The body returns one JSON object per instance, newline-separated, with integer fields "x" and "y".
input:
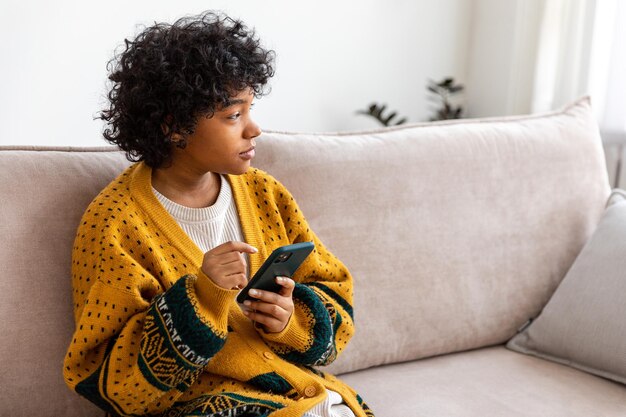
{"x": 247, "y": 155}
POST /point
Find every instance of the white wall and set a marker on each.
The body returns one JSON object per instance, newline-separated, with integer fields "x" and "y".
{"x": 333, "y": 57}
{"x": 501, "y": 62}
{"x": 529, "y": 56}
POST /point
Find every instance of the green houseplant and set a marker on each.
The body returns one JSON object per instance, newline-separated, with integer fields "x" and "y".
{"x": 440, "y": 92}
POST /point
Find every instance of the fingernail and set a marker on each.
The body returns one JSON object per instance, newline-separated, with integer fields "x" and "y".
{"x": 254, "y": 292}
{"x": 255, "y": 250}
{"x": 247, "y": 303}
{"x": 246, "y": 312}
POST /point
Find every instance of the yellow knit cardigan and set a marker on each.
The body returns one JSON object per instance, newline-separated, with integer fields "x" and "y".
{"x": 154, "y": 335}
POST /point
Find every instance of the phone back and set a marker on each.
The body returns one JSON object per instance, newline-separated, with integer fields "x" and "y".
{"x": 283, "y": 261}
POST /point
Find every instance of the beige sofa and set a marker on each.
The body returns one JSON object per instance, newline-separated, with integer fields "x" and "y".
{"x": 457, "y": 234}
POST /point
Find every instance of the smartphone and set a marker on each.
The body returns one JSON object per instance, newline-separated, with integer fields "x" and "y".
{"x": 283, "y": 262}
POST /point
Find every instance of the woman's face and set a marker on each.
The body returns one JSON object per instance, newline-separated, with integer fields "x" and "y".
{"x": 223, "y": 143}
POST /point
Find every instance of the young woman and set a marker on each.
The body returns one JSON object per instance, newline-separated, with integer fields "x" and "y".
{"x": 163, "y": 250}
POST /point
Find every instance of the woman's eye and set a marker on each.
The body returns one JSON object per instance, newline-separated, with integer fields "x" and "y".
{"x": 235, "y": 116}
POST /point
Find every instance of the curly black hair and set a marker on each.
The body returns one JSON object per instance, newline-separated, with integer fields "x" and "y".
{"x": 173, "y": 73}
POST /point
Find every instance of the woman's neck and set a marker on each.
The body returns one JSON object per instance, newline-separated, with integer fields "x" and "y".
{"x": 186, "y": 188}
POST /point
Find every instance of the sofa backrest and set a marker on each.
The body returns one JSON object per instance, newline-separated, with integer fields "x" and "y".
{"x": 43, "y": 194}
{"x": 456, "y": 233}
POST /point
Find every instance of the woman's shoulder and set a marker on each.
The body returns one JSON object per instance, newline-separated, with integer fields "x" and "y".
{"x": 119, "y": 186}
{"x": 261, "y": 181}
{"x": 257, "y": 174}
{"x": 115, "y": 195}
{"x": 256, "y": 178}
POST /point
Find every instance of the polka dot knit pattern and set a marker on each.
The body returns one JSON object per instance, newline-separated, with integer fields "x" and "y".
{"x": 154, "y": 335}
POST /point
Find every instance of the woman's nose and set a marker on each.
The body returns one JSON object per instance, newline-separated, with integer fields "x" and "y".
{"x": 252, "y": 131}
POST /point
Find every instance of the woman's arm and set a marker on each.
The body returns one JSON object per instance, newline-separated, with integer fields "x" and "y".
{"x": 134, "y": 342}
{"x": 322, "y": 321}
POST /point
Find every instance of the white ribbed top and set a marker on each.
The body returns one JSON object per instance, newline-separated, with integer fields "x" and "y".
{"x": 208, "y": 227}
{"x": 332, "y": 406}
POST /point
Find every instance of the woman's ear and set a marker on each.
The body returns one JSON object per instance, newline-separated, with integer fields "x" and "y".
{"x": 166, "y": 126}
{"x": 177, "y": 139}
{"x": 171, "y": 132}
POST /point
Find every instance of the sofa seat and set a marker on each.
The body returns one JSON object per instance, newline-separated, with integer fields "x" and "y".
{"x": 491, "y": 381}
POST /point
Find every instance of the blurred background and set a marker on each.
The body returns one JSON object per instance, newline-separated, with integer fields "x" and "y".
{"x": 335, "y": 59}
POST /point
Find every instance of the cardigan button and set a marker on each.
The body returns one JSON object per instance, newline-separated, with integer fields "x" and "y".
{"x": 268, "y": 355}
{"x": 310, "y": 391}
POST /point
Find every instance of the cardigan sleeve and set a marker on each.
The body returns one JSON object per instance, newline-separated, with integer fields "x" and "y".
{"x": 134, "y": 341}
{"x": 322, "y": 322}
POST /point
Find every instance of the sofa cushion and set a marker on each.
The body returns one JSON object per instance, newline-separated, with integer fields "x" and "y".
{"x": 487, "y": 382}
{"x": 44, "y": 194}
{"x": 456, "y": 232}
{"x": 584, "y": 323}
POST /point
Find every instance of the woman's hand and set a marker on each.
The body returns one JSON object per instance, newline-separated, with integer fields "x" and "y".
{"x": 272, "y": 310}
{"x": 225, "y": 264}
